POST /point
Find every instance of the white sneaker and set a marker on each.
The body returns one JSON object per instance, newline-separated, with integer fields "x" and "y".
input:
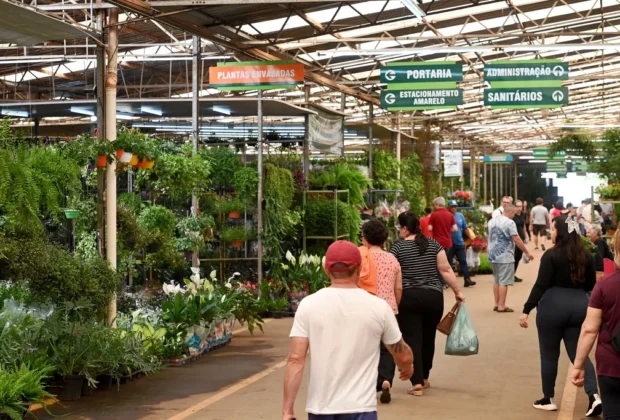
{"x": 595, "y": 407}
{"x": 546, "y": 404}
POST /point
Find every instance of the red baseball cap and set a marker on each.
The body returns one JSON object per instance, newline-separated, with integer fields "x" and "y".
{"x": 343, "y": 252}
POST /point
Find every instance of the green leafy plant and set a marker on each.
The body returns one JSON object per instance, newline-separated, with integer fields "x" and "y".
{"x": 224, "y": 162}
{"x": 609, "y": 192}
{"x": 574, "y": 142}
{"x": 343, "y": 177}
{"x": 180, "y": 176}
{"x": 229, "y": 205}
{"x": 245, "y": 182}
{"x": 20, "y": 387}
{"x": 236, "y": 233}
{"x": 385, "y": 171}
{"x": 609, "y": 167}
{"x": 158, "y": 221}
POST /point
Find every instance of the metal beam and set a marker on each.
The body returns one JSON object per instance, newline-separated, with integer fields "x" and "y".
{"x": 175, "y": 3}
{"x": 214, "y": 35}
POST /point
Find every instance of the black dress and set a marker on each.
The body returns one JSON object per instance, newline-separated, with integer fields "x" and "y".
{"x": 519, "y": 220}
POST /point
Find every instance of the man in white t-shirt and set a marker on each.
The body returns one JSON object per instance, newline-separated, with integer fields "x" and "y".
{"x": 500, "y": 210}
{"x": 342, "y": 326}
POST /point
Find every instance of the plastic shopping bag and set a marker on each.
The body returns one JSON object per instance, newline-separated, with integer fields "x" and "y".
{"x": 462, "y": 340}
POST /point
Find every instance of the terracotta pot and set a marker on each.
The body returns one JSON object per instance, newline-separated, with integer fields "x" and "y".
{"x": 237, "y": 244}
{"x": 234, "y": 215}
{"x": 119, "y": 153}
{"x": 102, "y": 161}
{"x": 146, "y": 164}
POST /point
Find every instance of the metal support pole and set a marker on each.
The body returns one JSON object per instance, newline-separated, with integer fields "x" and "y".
{"x": 306, "y": 156}
{"x": 516, "y": 181}
{"x": 260, "y": 187}
{"x": 36, "y": 127}
{"x": 497, "y": 179}
{"x": 110, "y": 130}
{"x": 398, "y": 144}
{"x": 343, "y": 102}
{"x": 370, "y": 138}
{"x": 484, "y": 182}
{"x": 195, "y": 125}
{"x": 100, "y": 87}
{"x": 130, "y": 190}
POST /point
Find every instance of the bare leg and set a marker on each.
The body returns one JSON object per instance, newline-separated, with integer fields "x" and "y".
{"x": 503, "y": 292}
{"x": 536, "y": 241}
{"x": 496, "y": 293}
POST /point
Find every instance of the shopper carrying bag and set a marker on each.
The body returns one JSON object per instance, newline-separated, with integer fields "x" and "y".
{"x": 463, "y": 340}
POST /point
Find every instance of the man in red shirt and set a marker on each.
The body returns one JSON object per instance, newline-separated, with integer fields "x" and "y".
{"x": 424, "y": 222}
{"x": 442, "y": 223}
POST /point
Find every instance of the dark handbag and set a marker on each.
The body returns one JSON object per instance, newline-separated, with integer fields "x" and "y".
{"x": 445, "y": 326}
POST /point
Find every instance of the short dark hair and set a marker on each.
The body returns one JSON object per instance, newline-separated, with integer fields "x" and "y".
{"x": 428, "y": 210}
{"x": 375, "y": 232}
{"x": 539, "y": 201}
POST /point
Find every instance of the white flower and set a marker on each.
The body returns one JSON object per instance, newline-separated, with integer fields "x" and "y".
{"x": 223, "y": 298}
{"x": 173, "y": 289}
{"x": 323, "y": 260}
{"x": 191, "y": 288}
{"x": 228, "y": 286}
{"x": 213, "y": 275}
{"x": 293, "y": 261}
{"x": 317, "y": 260}
{"x": 289, "y": 256}
{"x": 284, "y": 266}
{"x": 234, "y": 275}
{"x": 304, "y": 259}
{"x": 195, "y": 270}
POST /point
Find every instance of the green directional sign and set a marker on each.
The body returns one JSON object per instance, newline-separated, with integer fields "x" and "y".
{"x": 538, "y": 97}
{"x": 395, "y": 100}
{"x": 520, "y": 70}
{"x": 543, "y": 153}
{"x": 558, "y": 167}
{"x": 579, "y": 166}
{"x": 422, "y": 72}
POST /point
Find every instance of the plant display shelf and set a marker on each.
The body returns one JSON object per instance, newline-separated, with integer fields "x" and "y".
{"x": 392, "y": 232}
{"x": 335, "y": 192}
{"x": 212, "y": 345}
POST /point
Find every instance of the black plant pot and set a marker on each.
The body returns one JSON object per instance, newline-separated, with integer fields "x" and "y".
{"x": 71, "y": 388}
{"x": 104, "y": 382}
{"x": 277, "y": 314}
{"x": 87, "y": 389}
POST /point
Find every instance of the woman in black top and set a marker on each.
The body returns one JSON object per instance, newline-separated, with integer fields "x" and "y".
{"x": 601, "y": 250}
{"x": 422, "y": 261}
{"x": 526, "y": 214}
{"x": 566, "y": 273}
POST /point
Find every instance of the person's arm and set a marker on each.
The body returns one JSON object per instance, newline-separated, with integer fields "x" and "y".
{"x": 445, "y": 269}
{"x": 543, "y": 282}
{"x": 294, "y": 374}
{"x": 430, "y": 223}
{"x": 589, "y": 332}
{"x": 455, "y": 227}
{"x": 394, "y": 342}
{"x": 398, "y": 287}
{"x": 519, "y": 243}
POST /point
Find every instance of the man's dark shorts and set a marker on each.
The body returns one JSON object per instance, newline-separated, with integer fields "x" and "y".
{"x": 352, "y": 416}
{"x": 540, "y": 230}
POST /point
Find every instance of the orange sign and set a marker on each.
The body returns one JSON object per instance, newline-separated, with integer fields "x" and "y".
{"x": 257, "y": 75}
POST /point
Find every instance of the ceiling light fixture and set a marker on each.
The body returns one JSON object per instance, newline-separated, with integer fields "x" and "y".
{"x": 151, "y": 110}
{"x": 82, "y": 111}
{"x": 14, "y": 113}
{"x": 413, "y": 8}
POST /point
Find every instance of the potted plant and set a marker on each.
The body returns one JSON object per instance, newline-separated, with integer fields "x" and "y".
{"x": 232, "y": 207}
{"x": 146, "y": 149}
{"x": 22, "y": 387}
{"x": 609, "y": 192}
{"x": 104, "y": 150}
{"x": 236, "y": 236}
{"x": 278, "y": 306}
{"x": 124, "y": 145}
{"x": 246, "y": 185}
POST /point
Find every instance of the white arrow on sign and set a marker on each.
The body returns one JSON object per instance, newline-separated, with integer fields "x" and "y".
{"x": 390, "y": 98}
{"x": 390, "y": 75}
{"x": 557, "y": 96}
{"x": 558, "y": 71}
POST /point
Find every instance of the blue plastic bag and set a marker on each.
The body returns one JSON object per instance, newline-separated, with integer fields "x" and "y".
{"x": 463, "y": 340}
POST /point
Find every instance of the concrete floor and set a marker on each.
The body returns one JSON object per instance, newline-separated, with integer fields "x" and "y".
{"x": 244, "y": 380}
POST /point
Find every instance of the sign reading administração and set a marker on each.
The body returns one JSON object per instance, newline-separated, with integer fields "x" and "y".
{"x": 508, "y": 71}
{"x": 256, "y": 75}
{"x": 422, "y": 98}
{"x": 543, "y": 153}
{"x": 422, "y": 72}
{"x": 538, "y": 97}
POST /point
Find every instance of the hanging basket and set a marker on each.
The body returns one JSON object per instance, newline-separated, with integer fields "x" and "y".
{"x": 237, "y": 244}
{"x": 134, "y": 160}
{"x": 145, "y": 164}
{"x": 125, "y": 157}
{"x": 102, "y": 161}
{"x": 234, "y": 215}
{"x": 72, "y": 214}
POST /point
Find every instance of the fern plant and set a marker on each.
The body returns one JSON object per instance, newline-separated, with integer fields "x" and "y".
{"x": 21, "y": 387}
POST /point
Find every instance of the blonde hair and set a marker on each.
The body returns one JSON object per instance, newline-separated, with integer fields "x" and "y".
{"x": 617, "y": 248}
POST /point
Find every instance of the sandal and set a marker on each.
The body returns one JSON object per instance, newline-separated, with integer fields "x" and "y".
{"x": 506, "y": 309}
{"x": 427, "y": 384}
{"x": 418, "y": 392}
{"x": 495, "y": 309}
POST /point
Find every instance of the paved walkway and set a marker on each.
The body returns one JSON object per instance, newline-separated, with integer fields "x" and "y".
{"x": 244, "y": 380}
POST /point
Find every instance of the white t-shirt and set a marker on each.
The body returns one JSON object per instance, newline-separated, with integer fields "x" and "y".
{"x": 540, "y": 215}
{"x": 497, "y": 212}
{"x": 344, "y": 328}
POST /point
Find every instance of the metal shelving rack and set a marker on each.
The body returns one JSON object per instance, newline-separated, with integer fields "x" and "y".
{"x": 335, "y": 236}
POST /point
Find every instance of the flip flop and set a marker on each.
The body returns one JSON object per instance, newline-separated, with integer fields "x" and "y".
{"x": 417, "y": 392}
{"x": 506, "y": 309}
{"x": 495, "y": 308}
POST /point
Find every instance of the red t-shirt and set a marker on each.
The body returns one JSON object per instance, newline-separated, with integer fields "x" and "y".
{"x": 606, "y": 296}
{"x": 442, "y": 221}
{"x": 424, "y": 226}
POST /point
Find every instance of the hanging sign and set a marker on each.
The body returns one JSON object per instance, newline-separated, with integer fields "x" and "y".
{"x": 452, "y": 163}
{"x": 557, "y": 167}
{"x": 421, "y": 99}
{"x": 256, "y": 75}
{"x": 520, "y": 70}
{"x": 579, "y": 166}
{"x": 537, "y": 97}
{"x": 543, "y": 153}
{"x": 497, "y": 159}
{"x": 421, "y": 72}
{"x": 325, "y": 132}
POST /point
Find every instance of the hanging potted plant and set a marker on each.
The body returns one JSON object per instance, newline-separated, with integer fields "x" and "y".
{"x": 124, "y": 145}
{"x": 104, "y": 150}
{"x": 146, "y": 150}
{"x": 236, "y": 236}
{"x": 231, "y": 207}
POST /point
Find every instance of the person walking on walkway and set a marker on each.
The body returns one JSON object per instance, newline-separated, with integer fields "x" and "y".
{"x": 458, "y": 244}
{"x": 566, "y": 273}
{"x": 342, "y": 326}
{"x": 558, "y": 209}
{"x": 425, "y": 221}
{"x": 603, "y": 322}
{"x": 500, "y": 210}
{"x": 386, "y": 284}
{"x": 519, "y": 220}
{"x": 601, "y": 250}
{"x": 441, "y": 225}
{"x": 503, "y": 237}
{"x": 527, "y": 215}
{"x": 423, "y": 261}
{"x": 539, "y": 218}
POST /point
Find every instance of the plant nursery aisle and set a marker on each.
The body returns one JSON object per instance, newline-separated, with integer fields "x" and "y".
{"x": 243, "y": 381}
